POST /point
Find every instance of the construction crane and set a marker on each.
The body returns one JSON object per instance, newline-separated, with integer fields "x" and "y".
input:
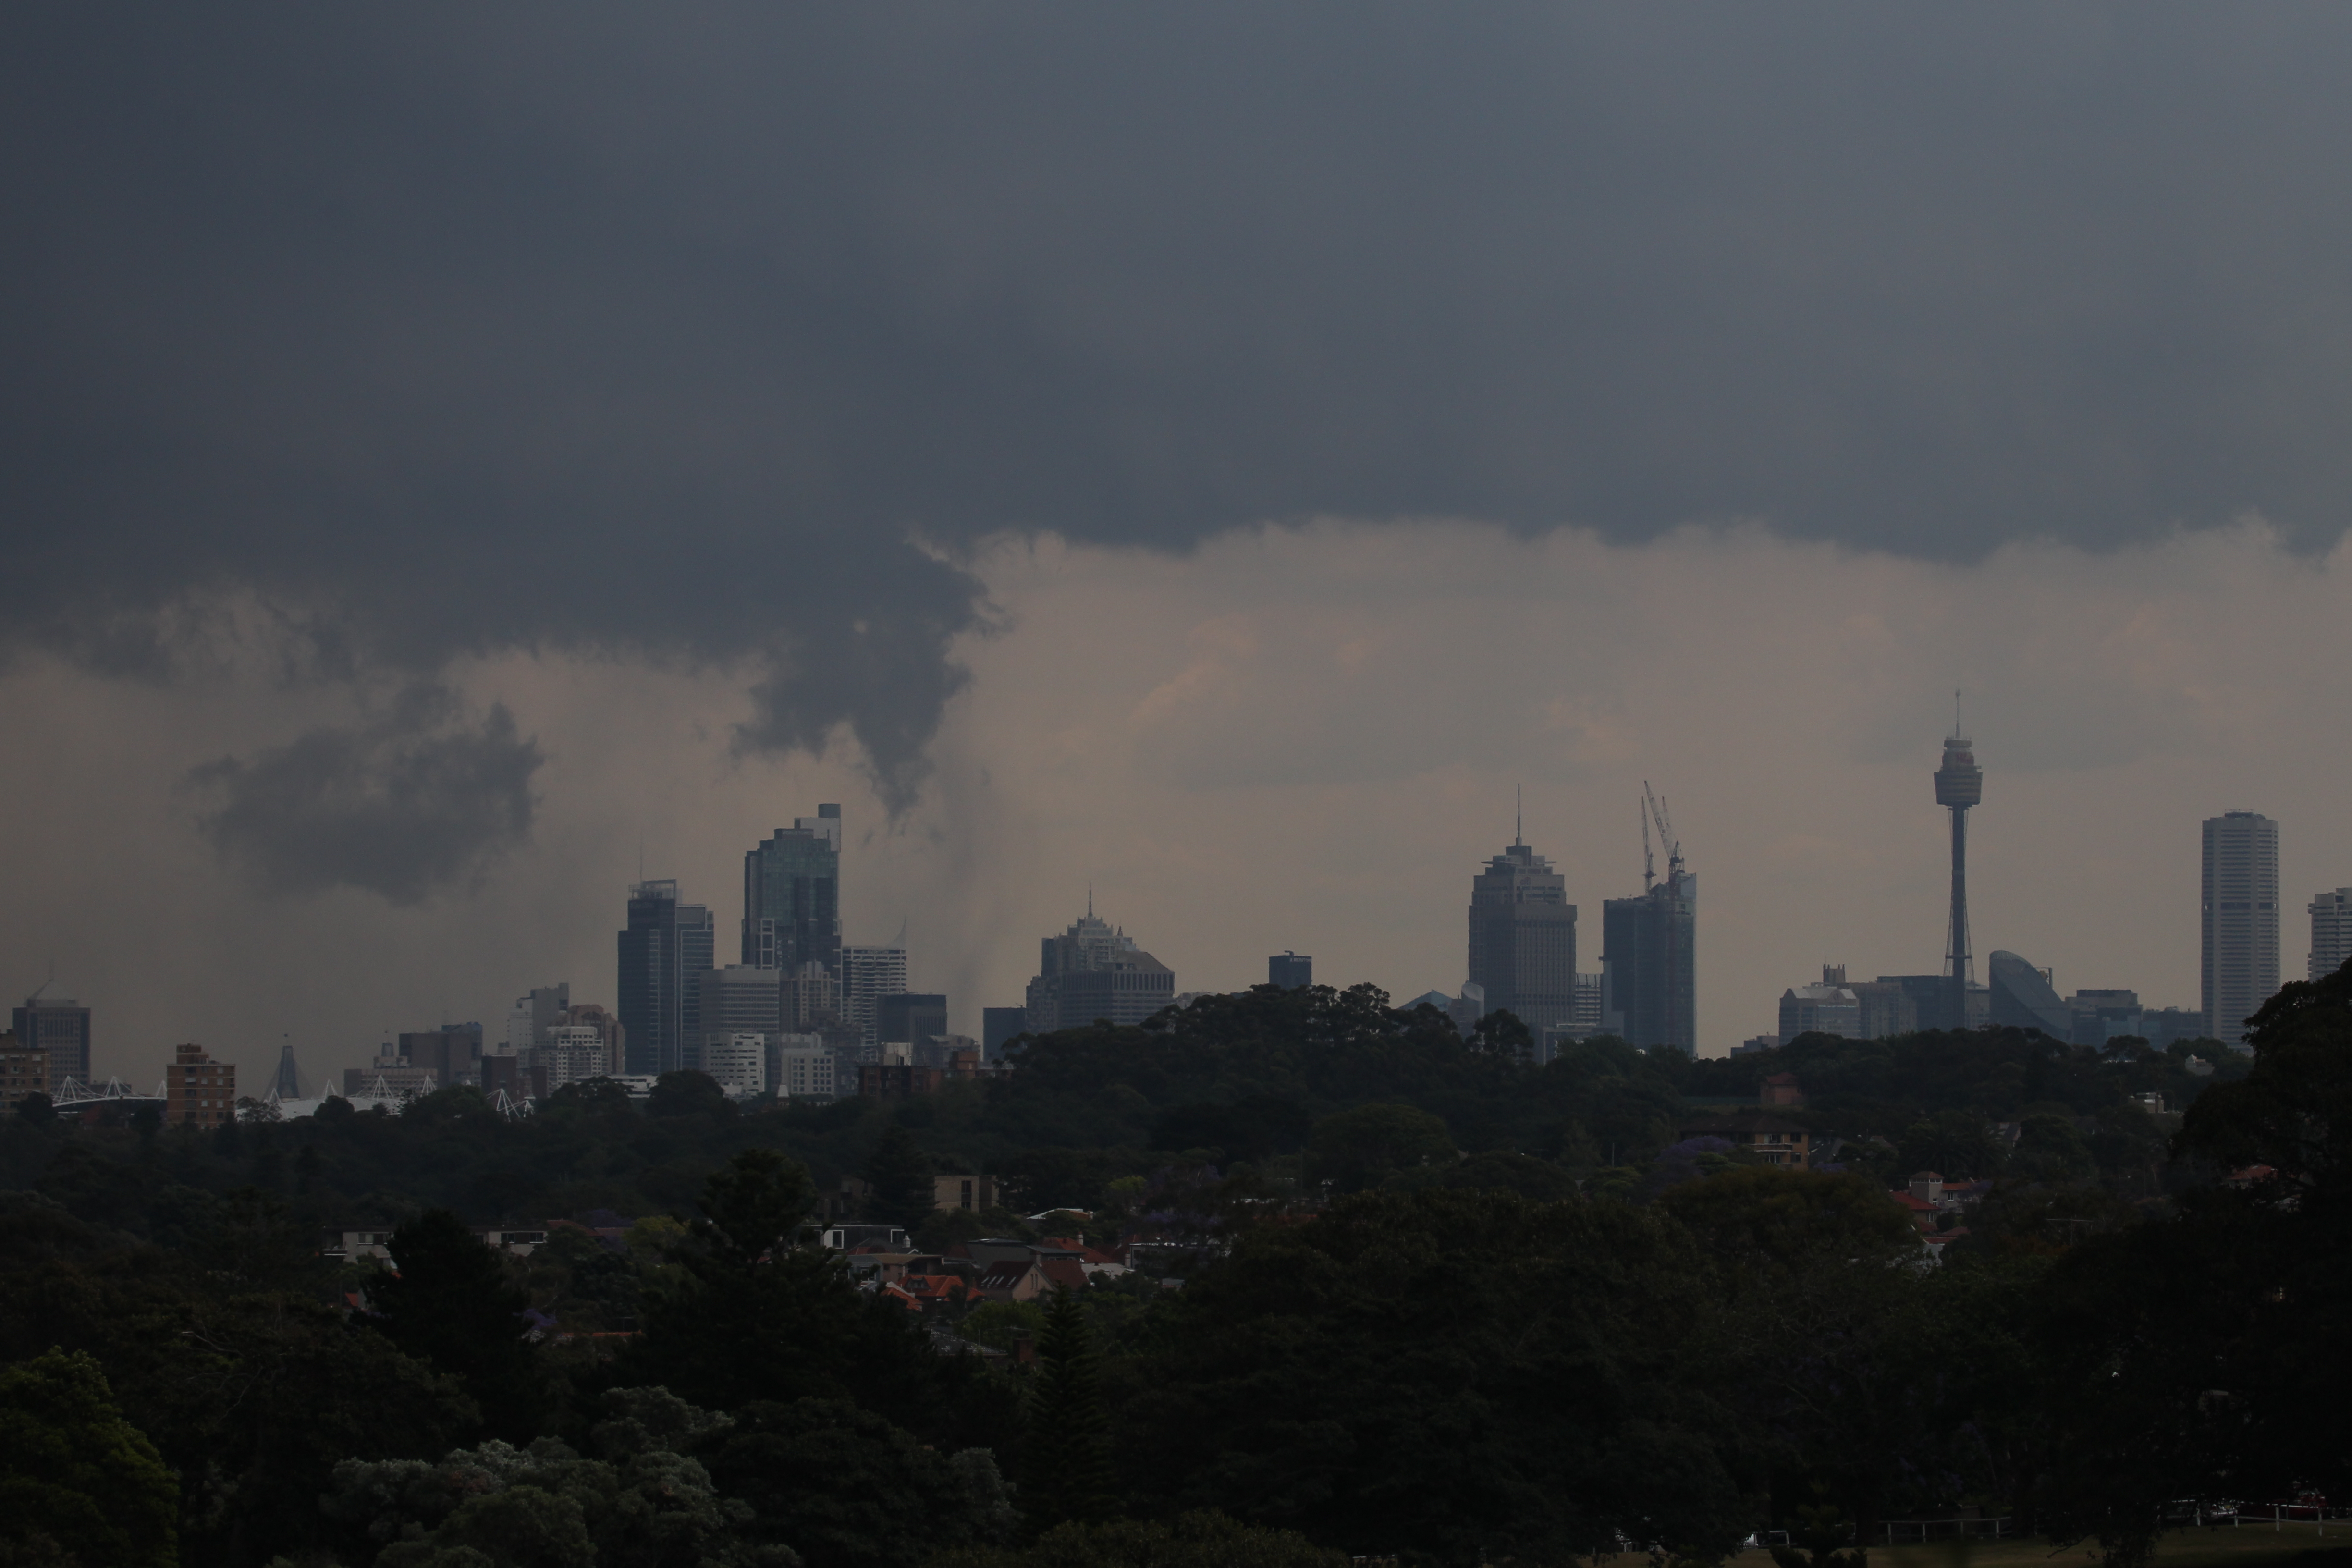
{"x": 1653, "y": 809}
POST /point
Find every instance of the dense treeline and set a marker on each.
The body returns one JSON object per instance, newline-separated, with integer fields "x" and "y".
{"x": 1436, "y": 1302}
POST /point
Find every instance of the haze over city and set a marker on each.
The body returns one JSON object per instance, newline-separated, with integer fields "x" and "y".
{"x": 462, "y": 462}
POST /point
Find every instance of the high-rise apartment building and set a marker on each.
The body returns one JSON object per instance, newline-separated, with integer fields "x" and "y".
{"x": 791, "y": 895}
{"x": 60, "y": 1026}
{"x": 868, "y": 974}
{"x": 569, "y": 1053}
{"x": 2240, "y": 965}
{"x": 1649, "y": 949}
{"x": 2331, "y": 933}
{"x": 1290, "y": 971}
{"x": 664, "y": 949}
{"x": 1523, "y": 940}
{"x": 1093, "y": 971}
{"x": 199, "y": 1091}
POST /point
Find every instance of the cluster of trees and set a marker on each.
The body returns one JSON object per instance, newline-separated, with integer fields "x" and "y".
{"x": 1428, "y": 1315}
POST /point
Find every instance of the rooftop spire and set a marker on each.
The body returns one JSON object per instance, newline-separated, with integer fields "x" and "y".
{"x": 1518, "y": 816}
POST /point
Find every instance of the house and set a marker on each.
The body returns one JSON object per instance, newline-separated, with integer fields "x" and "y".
{"x": 987, "y": 1249}
{"x": 1014, "y": 1281}
{"x": 1775, "y": 1139}
{"x": 1782, "y": 1089}
{"x": 965, "y": 1193}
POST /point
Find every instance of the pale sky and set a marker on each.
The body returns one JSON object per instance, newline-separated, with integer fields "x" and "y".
{"x": 1298, "y": 738}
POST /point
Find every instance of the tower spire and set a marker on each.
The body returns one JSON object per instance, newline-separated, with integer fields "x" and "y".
{"x": 1518, "y": 816}
{"x": 1960, "y": 784}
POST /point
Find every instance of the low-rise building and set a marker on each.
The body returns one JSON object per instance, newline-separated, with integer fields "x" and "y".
{"x": 24, "y": 1070}
{"x": 970, "y": 1193}
{"x": 1774, "y": 1140}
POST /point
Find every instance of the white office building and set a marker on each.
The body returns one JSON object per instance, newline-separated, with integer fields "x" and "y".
{"x": 737, "y": 1062}
{"x": 808, "y": 1072}
{"x": 2239, "y": 960}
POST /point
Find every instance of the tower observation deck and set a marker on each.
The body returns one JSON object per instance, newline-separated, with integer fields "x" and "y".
{"x": 1960, "y": 784}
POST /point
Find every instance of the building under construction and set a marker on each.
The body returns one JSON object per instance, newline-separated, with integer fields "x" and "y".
{"x": 1649, "y": 946}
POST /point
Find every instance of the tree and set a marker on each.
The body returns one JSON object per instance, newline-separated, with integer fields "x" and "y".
{"x": 75, "y": 1477}
{"x": 1954, "y": 1143}
{"x": 686, "y": 1093}
{"x": 1357, "y": 1148}
{"x": 1200, "y": 1539}
{"x": 1370, "y": 1379}
{"x": 1065, "y": 1470}
{"x": 1764, "y": 1217}
{"x": 749, "y": 1317}
{"x": 840, "y": 1485}
{"x": 450, "y": 1302}
{"x": 900, "y": 1174}
{"x": 37, "y": 1109}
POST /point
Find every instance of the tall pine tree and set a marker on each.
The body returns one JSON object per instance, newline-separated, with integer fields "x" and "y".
{"x": 1065, "y": 1470}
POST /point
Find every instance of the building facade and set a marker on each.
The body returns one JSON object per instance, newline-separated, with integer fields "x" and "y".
{"x": 737, "y": 998}
{"x": 867, "y": 975}
{"x": 2331, "y": 933}
{"x": 2239, "y": 964}
{"x": 1290, "y": 971}
{"x": 791, "y": 895}
{"x": 1093, "y": 971}
{"x": 1649, "y": 965}
{"x": 1823, "y": 1009}
{"x": 805, "y": 1070}
{"x": 199, "y": 1091}
{"x": 2023, "y": 998}
{"x": 60, "y": 1026}
{"x": 1523, "y": 940}
{"x": 664, "y": 949}
{"x": 910, "y": 1017}
{"x": 738, "y": 1063}
{"x": 24, "y": 1071}
{"x": 998, "y": 1027}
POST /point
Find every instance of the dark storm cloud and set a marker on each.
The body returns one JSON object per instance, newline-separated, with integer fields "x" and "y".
{"x": 415, "y": 801}
{"x": 674, "y": 330}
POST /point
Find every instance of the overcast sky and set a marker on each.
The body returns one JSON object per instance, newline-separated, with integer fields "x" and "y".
{"x": 446, "y": 451}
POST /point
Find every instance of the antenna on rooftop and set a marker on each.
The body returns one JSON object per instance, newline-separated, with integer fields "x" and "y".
{"x": 1518, "y": 816}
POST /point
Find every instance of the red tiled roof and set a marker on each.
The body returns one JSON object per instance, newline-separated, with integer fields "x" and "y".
{"x": 1064, "y": 1272}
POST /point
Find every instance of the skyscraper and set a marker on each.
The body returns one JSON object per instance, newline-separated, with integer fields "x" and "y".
{"x": 2331, "y": 933}
{"x": 1960, "y": 784}
{"x": 1522, "y": 938}
{"x": 1290, "y": 971}
{"x": 60, "y": 1026}
{"x": 1091, "y": 972}
{"x": 791, "y": 895}
{"x": 1649, "y": 949}
{"x": 868, "y": 974}
{"x": 2240, "y": 965}
{"x": 664, "y": 949}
